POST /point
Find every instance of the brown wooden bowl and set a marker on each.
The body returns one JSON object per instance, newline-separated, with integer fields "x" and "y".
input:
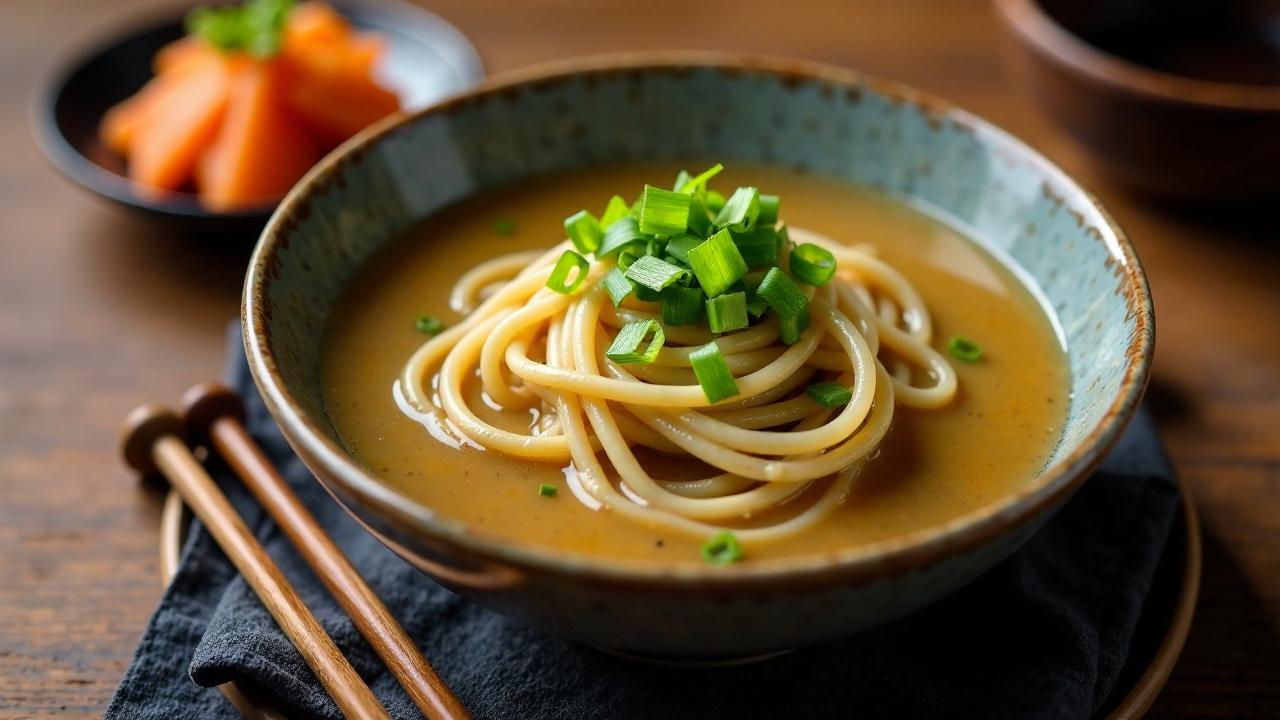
{"x": 1196, "y": 122}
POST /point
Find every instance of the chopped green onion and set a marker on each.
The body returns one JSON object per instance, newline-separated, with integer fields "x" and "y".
{"x": 756, "y": 305}
{"x": 691, "y": 186}
{"x": 429, "y": 325}
{"x": 713, "y": 373}
{"x": 617, "y": 286}
{"x": 653, "y": 273}
{"x": 829, "y": 394}
{"x": 722, "y": 549}
{"x": 759, "y": 247}
{"x": 768, "y": 209}
{"x": 504, "y": 226}
{"x": 788, "y": 301}
{"x": 680, "y": 245}
{"x": 962, "y": 348}
{"x": 628, "y": 256}
{"x": 626, "y": 350}
{"x": 699, "y": 219}
{"x": 584, "y": 230}
{"x": 663, "y": 212}
{"x": 682, "y": 305}
{"x": 256, "y": 26}
{"x": 613, "y": 212}
{"x": 740, "y": 210}
{"x": 647, "y": 294}
{"x": 715, "y": 201}
{"x": 727, "y": 312}
{"x": 547, "y": 490}
{"x": 812, "y": 264}
{"x": 620, "y": 234}
{"x": 682, "y": 177}
{"x": 559, "y": 280}
{"x": 717, "y": 263}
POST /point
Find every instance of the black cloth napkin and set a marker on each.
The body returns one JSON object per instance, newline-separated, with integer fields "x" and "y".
{"x": 1044, "y": 634}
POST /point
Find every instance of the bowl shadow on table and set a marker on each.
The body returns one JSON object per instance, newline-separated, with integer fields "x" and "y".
{"x": 148, "y": 263}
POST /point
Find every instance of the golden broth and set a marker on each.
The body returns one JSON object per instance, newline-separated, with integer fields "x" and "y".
{"x": 933, "y": 466}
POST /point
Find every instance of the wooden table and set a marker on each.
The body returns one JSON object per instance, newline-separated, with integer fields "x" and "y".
{"x": 100, "y": 311}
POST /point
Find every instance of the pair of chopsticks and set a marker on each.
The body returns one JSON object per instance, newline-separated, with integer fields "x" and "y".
{"x": 153, "y": 441}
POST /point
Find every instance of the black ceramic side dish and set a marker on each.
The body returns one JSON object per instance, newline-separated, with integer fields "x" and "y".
{"x": 427, "y": 60}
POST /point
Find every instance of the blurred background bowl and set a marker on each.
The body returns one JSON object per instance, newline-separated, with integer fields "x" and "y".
{"x": 427, "y": 59}
{"x": 1174, "y": 99}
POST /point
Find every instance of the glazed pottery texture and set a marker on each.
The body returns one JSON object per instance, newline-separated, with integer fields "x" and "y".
{"x": 810, "y": 118}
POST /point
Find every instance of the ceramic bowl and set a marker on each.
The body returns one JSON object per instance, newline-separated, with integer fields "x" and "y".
{"x": 836, "y": 123}
{"x": 426, "y": 60}
{"x": 1168, "y": 136}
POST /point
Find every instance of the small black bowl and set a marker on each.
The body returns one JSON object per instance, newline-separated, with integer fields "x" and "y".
{"x": 427, "y": 60}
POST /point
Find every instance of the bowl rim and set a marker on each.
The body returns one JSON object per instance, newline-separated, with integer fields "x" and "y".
{"x": 912, "y": 551}
{"x": 1039, "y": 30}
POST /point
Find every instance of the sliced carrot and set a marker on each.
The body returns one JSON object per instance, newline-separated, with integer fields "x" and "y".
{"x": 261, "y": 149}
{"x": 180, "y": 53}
{"x": 315, "y": 24}
{"x": 120, "y": 123}
{"x": 166, "y": 143}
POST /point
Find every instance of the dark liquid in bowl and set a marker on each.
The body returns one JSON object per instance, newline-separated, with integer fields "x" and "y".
{"x": 1233, "y": 42}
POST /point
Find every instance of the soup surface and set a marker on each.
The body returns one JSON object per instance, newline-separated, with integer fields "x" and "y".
{"x": 934, "y": 465}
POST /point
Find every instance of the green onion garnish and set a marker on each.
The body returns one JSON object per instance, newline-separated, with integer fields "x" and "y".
{"x": 663, "y": 212}
{"x": 812, "y": 264}
{"x": 255, "y": 26}
{"x": 759, "y": 247}
{"x": 740, "y": 210}
{"x": 504, "y": 226}
{"x": 790, "y": 329}
{"x": 756, "y": 305}
{"x": 691, "y": 186}
{"x": 829, "y": 394}
{"x": 722, "y": 549}
{"x": 647, "y": 294}
{"x": 788, "y": 301}
{"x": 616, "y": 284}
{"x": 584, "y": 230}
{"x": 713, "y": 373}
{"x": 679, "y": 246}
{"x": 727, "y": 312}
{"x": 699, "y": 219}
{"x": 625, "y": 349}
{"x": 682, "y": 305}
{"x": 620, "y": 234}
{"x": 628, "y": 256}
{"x": 715, "y": 201}
{"x": 559, "y": 278}
{"x": 547, "y": 490}
{"x": 717, "y": 263}
{"x": 654, "y": 273}
{"x": 613, "y": 212}
{"x": 682, "y": 177}
{"x": 962, "y": 348}
{"x": 429, "y": 325}
{"x": 768, "y": 209}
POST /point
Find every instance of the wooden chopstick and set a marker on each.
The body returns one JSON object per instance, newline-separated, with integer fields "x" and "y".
{"x": 214, "y": 413}
{"x": 152, "y": 442}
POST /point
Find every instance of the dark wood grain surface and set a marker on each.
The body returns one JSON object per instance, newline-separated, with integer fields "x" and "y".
{"x": 100, "y": 311}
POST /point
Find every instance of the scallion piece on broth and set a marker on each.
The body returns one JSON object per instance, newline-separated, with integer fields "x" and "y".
{"x": 829, "y": 394}
{"x": 962, "y": 348}
{"x": 713, "y": 373}
{"x": 568, "y": 263}
{"x": 428, "y": 325}
{"x": 547, "y": 490}
{"x": 627, "y": 345}
{"x": 722, "y": 549}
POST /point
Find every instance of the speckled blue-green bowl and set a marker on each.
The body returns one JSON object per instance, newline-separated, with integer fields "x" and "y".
{"x": 837, "y": 123}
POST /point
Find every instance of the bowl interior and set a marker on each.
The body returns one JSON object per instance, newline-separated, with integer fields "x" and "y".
{"x": 426, "y": 60}
{"x": 822, "y": 121}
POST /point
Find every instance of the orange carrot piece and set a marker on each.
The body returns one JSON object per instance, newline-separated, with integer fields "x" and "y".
{"x": 261, "y": 149}
{"x": 180, "y": 53}
{"x": 166, "y": 143}
{"x": 314, "y": 24}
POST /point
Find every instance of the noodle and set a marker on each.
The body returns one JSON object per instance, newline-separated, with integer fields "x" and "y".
{"x": 777, "y": 461}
